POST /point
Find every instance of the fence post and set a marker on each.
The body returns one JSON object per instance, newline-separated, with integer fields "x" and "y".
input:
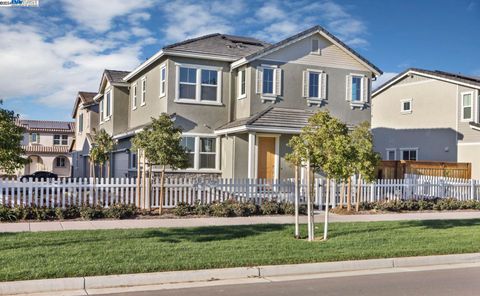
{"x": 472, "y": 189}
{"x": 372, "y": 192}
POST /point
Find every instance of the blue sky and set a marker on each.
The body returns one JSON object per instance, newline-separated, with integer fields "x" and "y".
{"x": 47, "y": 54}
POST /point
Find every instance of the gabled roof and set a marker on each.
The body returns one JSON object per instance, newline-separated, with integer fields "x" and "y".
{"x": 457, "y": 78}
{"x": 86, "y": 98}
{"x": 115, "y": 77}
{"x": 295, "y": 38}
{"x": 284, "y": 119}
{"x": 47, "y": 126}
{"x": 46, "y": 149}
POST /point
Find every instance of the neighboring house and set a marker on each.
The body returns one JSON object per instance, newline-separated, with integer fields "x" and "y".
{"x": 85, "y": 114}
{"x": 47, "y": 146}
{"x": 113, "y": 101}
{"x": 239, "y": 100}
{"x": 428, "y": 115}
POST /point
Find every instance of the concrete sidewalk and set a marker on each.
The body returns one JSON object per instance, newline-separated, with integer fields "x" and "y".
{"x": 196, "y": 222}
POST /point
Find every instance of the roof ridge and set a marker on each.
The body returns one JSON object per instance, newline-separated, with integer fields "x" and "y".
{"x": 191, "y": 40}
{"x": 40, "y": 120}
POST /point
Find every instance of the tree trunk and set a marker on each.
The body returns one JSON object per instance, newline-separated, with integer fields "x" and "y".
{"x": 349, "y": 195}
{"x": 297, "y": 222}
{"x": 138, "y": 179}
{"x": 309, "y": 205}
{"x": 342, "y": 193}
{"x": 162, "y": 190}
{"x": 357, "y": 204}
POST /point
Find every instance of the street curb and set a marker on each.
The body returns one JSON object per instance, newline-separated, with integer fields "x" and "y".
{"x": 158, "y": 278}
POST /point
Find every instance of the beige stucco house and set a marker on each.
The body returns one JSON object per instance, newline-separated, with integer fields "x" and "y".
{"x": 47, "y": 146}
{"x": 428, "y": 115}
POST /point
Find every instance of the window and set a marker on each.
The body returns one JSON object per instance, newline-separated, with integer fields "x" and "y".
{"x": 406, "y": 106}
{"x": 134, "y": 97}
{"x": 144, "y": 90}
{"x": 34, "y": 138}
{"x": 60, "y": 140}
{"x": 133, "y": 160}
{"x": 80, "y": 123}
{"x": 313, "y": 85}
{"x": 108, "y": 105}
{"x": 315, "y": 46}
{"x": 202, "y": 152}
{"x": 102, "y": 113}
{"x": 189, "y": 144}
{"x": 60, "y": 162}
{"x": 356, "y": 88}
{"x": 188, "y": 83}
{"x": 207, "y": 153}
{"x": 391, "y": 154}
{"x": 268, "y": 81}
{"x": 242, "y": 90}
{"x": 163, "y": 80}
{"x": 467, "y": 100}
{"x": 209, "y": 85}
{"x": 409, "y": 154}
{"x": 198, "y": 84}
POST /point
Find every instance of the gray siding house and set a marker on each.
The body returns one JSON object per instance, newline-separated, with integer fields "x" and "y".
{"x": 239, "y": 100}
{"x": 428, "y": 115}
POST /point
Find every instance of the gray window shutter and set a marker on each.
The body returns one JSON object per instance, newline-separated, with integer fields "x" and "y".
{"x": 259, "y": 84}
{"x": 305, "y": 84}
{"x": 366, "y": 88}
{"x": 348, "y": 88}
{"x": 278, "y": 82}
{"x": 323, "y": 81}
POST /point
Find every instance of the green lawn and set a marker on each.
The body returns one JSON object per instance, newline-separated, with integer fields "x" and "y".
{"x": 81, "y": 253}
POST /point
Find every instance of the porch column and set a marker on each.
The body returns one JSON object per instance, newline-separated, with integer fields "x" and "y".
{"x": 251, "y": 155}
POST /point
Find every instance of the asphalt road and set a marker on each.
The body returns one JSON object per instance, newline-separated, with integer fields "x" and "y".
{"x": 451, "y": 282}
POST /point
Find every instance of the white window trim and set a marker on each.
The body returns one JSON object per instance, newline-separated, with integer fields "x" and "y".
{"x": 163, "y": 90}
{"x": 131, "y": 162}
{"x": 242, "y": 74}
{"x": 362, "y": 100}
{"x": 134, "y": 96}
{"x": 37, "y": 141}
{"x": 198, "y": 85}
{"x": 394, "y": 153}
{"x": 61, "y": 140}
{"x": 319, "y": 98}
{"x": 402, "y": 110}
{"x": 143, "y": 94}
{"x": 471, "y": 93}
{"x": 196, "y": 158}
{"x": 408, "y": 149}
{"x": 269, "y": 96}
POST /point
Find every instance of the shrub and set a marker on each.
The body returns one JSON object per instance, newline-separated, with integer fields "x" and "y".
{"x": 221, "y": 209}
{"x": 269, "y": 207}
{"x": 243, "y": 209}
{"x": 90, "y": 213}
{"x": 120, "y": 211}
{"x": 286, "y": 208}
{"x": 7, "y": 214}
{"x": 201, "y": 209}
{"x": 182, "y": 209}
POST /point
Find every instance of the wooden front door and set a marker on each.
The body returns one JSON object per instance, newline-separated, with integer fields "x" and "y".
{"x": 266, "y": 158}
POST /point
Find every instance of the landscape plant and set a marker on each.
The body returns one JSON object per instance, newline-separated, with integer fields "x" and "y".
{"x": 101, "y": 150}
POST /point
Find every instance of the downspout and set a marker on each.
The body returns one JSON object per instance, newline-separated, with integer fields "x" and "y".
{"x": 231, "y": 95}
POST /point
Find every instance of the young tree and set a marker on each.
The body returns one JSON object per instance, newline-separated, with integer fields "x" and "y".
{"x": 11, "y": 151}
{"x": 101, "y": 150}
{"x": 161, "y": 143}
{"x": 324, "y": 143}
{"x": 366, "y": 159}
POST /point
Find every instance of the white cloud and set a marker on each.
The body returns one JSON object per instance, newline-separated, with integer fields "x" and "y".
{"x": 383, "y": 78}
{"x": 99, "y": 15}
{"x": 270, "y": 11}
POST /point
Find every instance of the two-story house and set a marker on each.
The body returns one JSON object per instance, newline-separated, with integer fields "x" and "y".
{"x": 85, "y": 114}
{"x": 239, "y": 100}
{"x": 428, "y": 115}
{"x": 47, "y": 146}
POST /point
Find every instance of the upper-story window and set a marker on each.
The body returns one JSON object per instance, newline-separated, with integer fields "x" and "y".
{"x": 391, "y": 154}
{"x": 269, "y": 82}
{"x": 467, "y": 106}
{"x": 198, "y": 84}
{"x": 144, "y": 91}
{"x": 315, "y": 46}
{"x": 60, "y": 140}
{"x": 134, "y": 96}
{"x": 242, "y": 87}
{"x": 108, "y": 104}
{"x": 357, "y": 89}
{"x": 163, "y": 80}
{"x": 34, "y": 138}
{"x": 314, "y": 86}
{"x": 406, "y": 106}
{"x": 80, "y": 123}
{"x": 102, "y": 112}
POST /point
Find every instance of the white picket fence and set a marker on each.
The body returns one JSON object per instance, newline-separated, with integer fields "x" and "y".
{"x": 105, "y": 192}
